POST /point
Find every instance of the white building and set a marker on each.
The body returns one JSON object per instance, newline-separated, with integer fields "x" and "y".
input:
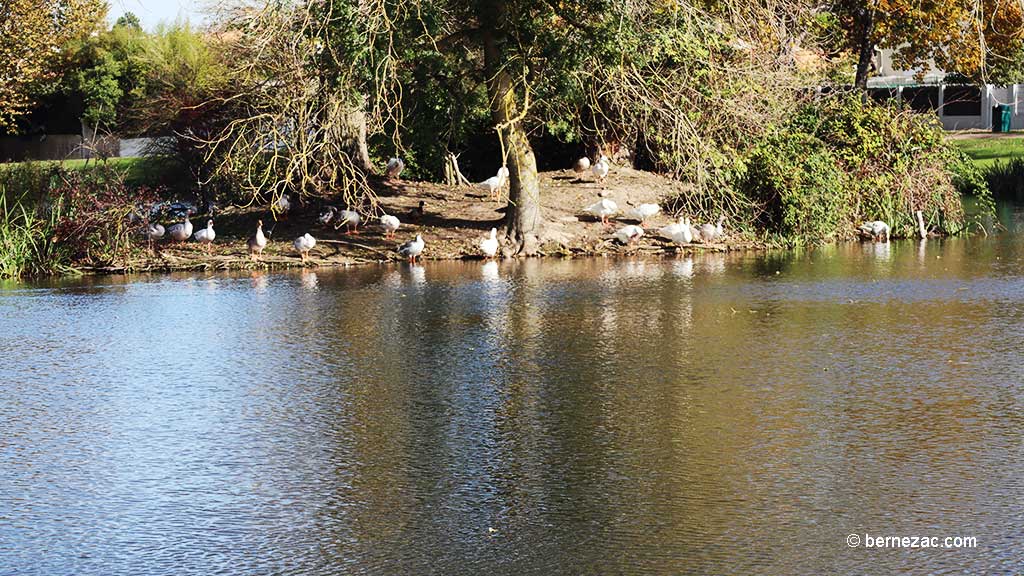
{"x": 961, "y": 107}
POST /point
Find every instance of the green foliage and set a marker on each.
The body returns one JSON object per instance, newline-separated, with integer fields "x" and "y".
{"x": 841, "y": 161}
{"x": 798, "y": 183}
{"x": 1006, "y": 179}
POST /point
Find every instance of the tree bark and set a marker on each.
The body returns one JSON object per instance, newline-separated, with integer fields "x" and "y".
{"x": 865, "y": 47}
{"x": 354, "y": 127}
{"x": 523, "y": 224}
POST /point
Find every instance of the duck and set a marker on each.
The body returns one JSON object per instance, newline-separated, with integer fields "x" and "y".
{"x": 600, "y": 168}
{"x": 257, "y": 242}
{"x": 581, "y": 166}
{"x": 494, "y": 184}
{"x": 489, "y": 245}
{"x": 678, "y": 232}
{"x": 181, "y": 231}
{"x": 876, "y": 229}
{"x": 282, "y": 206}
{"x": 349, "y": 218}
{"x": 709, "y": 233}
{"x": 206, "y": 236}
{"x": 602, "y": 209}
{"x": 412, "y": 249}
{"x": 395, "y": 167}
{"x": 416, "y": 214}
{"x": 390, "y": 224}
{"x": 303, "y": 244}
{"x": 629, "y": 234}
{"x": 644, "y": 211}
{"x": 153, "y": 232}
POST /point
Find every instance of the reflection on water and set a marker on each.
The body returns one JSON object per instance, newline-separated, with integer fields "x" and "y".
{"x": 714, "y": 414}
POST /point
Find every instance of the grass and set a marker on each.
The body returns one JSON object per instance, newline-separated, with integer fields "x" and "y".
{"x": 986, "y": 152}
{"x": 143, "y": 171}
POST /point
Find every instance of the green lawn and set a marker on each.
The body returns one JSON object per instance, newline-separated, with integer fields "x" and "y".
{"x": 987, "y": 151}
{"x": 138, "y": 171}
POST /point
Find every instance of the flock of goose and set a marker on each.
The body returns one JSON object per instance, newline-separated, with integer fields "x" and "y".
{"x": 680, "y": 232}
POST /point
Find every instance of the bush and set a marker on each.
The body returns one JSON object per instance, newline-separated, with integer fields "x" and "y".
{"x": 1006, "y": 179}
{"x": 841, "y": 161}
{"x": 53, "y": 219}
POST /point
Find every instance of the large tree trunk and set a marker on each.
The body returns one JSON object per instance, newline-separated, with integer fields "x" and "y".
{"x": 354, "y": 129}
{"x": 523, "y": 215}
{"x": 865, "y": 47}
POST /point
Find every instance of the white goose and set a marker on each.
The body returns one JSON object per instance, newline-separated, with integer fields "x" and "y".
{"x": 206, "y": 236}
{"x": 643, "y": 212}
{"x": 876, "y": 229}
{"x": 602, "y": 209}
{"x": 489, "y": 245}
{"x": 494, "y": 184}
{"x": 395, "y": 167}
{"x": 349, "y": 218}
{"x": 629, "y": 234}
{"x": 709, "y": 233}
{"x": 581, "y": 166}
{"x": 181, "y": 231}
{"x": 303, "y": 244}
{"x": 601, "y": 168}
{"x": 390, "y": 224}
{"x": 327, "y": 216}
{"x": 412, "y": 249}
{"x": 152, "y": 233}
{"x": 678, "y": 232}
{"x": 257, "y": 242}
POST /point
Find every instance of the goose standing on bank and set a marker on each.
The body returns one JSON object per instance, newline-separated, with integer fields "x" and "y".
{"x": 303, "y": 244}
{"x": 257, "y": 242}
{"x": 678, "y": 232}
{"x": 181, "y": 231}
{"x": 412, "y": 249}
{"x": 629, "y": 234}
{"x": 153, "y": 232}
{"x": 206, "y": 236}
{"x": 394, "y": 169}
{"x": 643, "y": 212}
{"x": 348, "y": 218}
{"x": 494, "y": 184}
{"x": 709, "y": 233}
{"x": 328, "y": 215}
{"x": 489, "y": 245}
{"x": 600, "y": 169}
{"x": 581, "y": 166}
{"x": 602, "y": 209}
{"x": 390, "y": 225}
{"x": 876, "y": 229}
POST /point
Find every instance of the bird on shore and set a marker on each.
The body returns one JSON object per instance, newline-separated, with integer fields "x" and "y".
{"x": 602, "y": 209}
{"x": 678, "y": 232}
{"x": 206, "y": 236}
{"x": 629, "y": 234}
{"x": 489, "y": 245}
{"x": 709, "y": 233}
{"x": 412, "y": 249}
{"x": 257, "y": 242}
{"x": 494, "y": 184}
{"x": 581, "y": 166}
{"x": 153, "y": 232}
{"x": 181, "y": 231}
{"x": 416, "y": 214}
{"x": 390, "y": 224}
{"x": 876, "y": 229}
{"x": 600, "y": 169}
{"x": 395, "y": 167}
{"x": 644, "y": 211}
{"x": 282, "y": 205}
{"x": 348, "y": 218}
{"x": 303, "y": 244}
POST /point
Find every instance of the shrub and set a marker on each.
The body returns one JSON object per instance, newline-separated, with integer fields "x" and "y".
{"x": 1006, "y": 179}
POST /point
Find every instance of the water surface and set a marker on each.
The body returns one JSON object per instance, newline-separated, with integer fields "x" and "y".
{"x": 717, "y": 414}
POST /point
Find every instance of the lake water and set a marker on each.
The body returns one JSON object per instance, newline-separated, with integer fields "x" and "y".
{"x": 738, "y": 414}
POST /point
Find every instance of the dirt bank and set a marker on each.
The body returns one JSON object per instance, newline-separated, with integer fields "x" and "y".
{"x": 453, "y": 222}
